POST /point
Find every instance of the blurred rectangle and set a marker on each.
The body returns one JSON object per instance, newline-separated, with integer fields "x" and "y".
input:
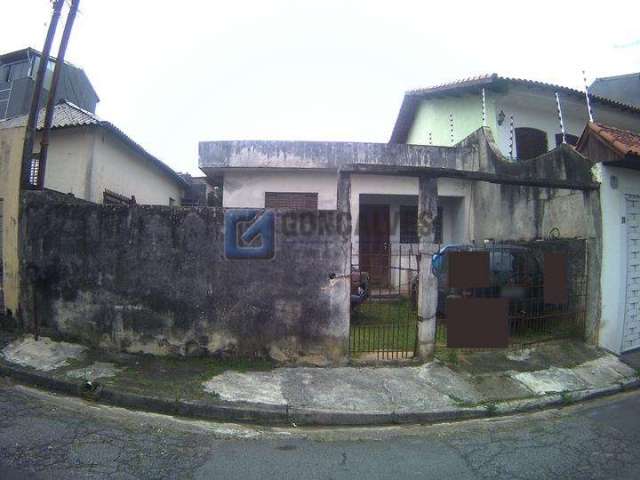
{"x": 477, "y": 323}
{"x": 555, "y": 278}
{"x": 468, "y": 269}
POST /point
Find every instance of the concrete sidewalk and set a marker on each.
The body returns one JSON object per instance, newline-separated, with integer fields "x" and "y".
{"x": 433, "y": 386}
{"x": 458, "y": 386}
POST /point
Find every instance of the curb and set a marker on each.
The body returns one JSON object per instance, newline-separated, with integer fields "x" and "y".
{"x": 274, "y": 415}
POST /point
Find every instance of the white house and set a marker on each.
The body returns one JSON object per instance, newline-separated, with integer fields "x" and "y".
{"x": 445, "y": 114}
{"x": 618, "y": 154}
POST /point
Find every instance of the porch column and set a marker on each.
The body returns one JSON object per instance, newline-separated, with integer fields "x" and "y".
{"x": 428, "y": 285}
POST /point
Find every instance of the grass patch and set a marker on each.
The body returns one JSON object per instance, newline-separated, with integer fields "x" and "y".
{"x": 175, "y": 377}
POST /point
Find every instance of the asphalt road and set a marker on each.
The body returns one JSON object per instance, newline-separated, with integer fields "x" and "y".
{"x": 47, "y": 436}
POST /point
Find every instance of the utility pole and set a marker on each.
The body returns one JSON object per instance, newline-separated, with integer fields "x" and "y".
{"x": 51, "y": 102}
{"x": 32, "y": 121}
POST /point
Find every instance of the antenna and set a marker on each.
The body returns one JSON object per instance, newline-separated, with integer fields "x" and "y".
{"x": 484, "y": 110}
{"x": 564, "y": 136}
{"x": 451, "y": 127}
{"x": 511, "y": 137}
{"x": 586, "y": 92}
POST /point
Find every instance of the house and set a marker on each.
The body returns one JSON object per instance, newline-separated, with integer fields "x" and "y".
{"x": 618, "y": 154}
{"x": 96, "y": 161}
{"x": 18, "y": 77}
{"x": 386, "y": 206}
{"x": 621, "y": 88}
{"x": 445, "y": 114}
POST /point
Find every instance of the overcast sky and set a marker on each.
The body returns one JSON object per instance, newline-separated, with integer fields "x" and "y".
{"x": 171, "y": 74}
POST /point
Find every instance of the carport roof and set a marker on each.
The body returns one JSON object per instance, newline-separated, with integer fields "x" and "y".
{"x": 623, "y": 142}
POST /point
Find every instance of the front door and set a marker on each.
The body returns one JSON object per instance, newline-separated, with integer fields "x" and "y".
{"x": 374, "y": 243}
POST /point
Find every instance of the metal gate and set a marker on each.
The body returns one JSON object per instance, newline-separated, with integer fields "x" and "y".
{"x": 384, "y": 313}
{"x": 517, "y": 272}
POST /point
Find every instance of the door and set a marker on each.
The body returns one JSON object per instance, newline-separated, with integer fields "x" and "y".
{"x": 631, "y": 329}
{"x": 374, "y": 243}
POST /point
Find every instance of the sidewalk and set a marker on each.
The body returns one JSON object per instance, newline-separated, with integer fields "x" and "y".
{"x": 459, "y": 386}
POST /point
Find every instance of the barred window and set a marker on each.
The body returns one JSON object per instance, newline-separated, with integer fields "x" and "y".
{"x": 409, "y": 225}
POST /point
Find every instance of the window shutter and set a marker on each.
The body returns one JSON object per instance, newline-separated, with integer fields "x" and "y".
{"x": 291, "y": 200}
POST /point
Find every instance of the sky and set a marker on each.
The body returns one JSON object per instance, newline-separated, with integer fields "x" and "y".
{"x": 171, "y": 74}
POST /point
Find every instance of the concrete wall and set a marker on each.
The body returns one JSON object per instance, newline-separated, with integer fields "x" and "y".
{"x": 432, "y": 116}
{"x": 539, "y": 111}
{"x": 69, "y": 161}
{"x": 614, "y": 245}
{"x": 155, "y": 279}
{"x": 245, "y": 188}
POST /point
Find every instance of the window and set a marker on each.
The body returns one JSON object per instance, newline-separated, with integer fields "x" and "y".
{"x": 409, "y": 225}
{"x": 530, "y": 142}
{"x": 571, "y": 139}
{"x": 293, "y": 200}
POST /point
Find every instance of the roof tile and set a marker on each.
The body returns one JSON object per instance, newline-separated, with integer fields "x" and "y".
{"x": 623, "y": 141}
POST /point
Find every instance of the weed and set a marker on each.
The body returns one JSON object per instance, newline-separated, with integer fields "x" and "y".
{"x": 452, "y": 356}
{"x": 566, "y": 398}
{"x": 491, "y": 409}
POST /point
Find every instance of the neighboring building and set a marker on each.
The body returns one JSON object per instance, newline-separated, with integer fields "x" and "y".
{"x": 427, "y": 115}
{"x": 96, "y": 161}
{"x": 202, "y": 191}
{"x": 618, "y": 154}
{"x": 621, "y": 88}
{"x": 17, "y": 80}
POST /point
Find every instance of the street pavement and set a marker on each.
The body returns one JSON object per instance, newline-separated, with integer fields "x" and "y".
{"x": 48, "y": 436}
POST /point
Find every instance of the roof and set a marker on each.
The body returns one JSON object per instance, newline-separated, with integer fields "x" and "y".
{"x": 623, "y": 142}
{"x": 28, "y": 52}
{"x": 491, "y": 81}
{"x": 68, "y": 115}
{"x": 622, "y": 88}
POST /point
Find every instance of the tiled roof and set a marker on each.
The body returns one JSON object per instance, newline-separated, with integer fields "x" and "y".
{"x": 488, "y": 79}
{"x": 412, "y": 97}
{"x": 622, "y": 141}
{"x": 65, "y": 114}
{"x": 68, "y": 115}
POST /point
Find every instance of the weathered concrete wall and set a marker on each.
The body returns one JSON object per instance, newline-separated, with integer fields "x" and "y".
{"x": 155, "y": 279}
{"x": 329, "y": 155}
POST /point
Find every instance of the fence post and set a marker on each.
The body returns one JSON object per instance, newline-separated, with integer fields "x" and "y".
{"x": 428, "y": 284}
